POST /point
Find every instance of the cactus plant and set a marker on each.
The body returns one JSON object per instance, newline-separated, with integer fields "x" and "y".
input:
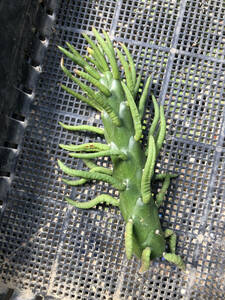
{"x": 133, "y": 165}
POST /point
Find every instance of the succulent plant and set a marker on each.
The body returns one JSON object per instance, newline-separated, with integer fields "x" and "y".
{"x": 133, "y": 164}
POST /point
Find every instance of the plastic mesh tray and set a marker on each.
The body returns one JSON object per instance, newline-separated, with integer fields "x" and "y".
{"x": 56, "y": 251}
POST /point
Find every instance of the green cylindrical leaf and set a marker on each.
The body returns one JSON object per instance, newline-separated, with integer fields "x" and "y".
{"x": 83, "y": 128}
{"x": 134, "y": 113}
{"x": 98, "y": 55}
{"x": 129, "y": 239}
{"x": 131, "y": 62}
{"x": 82, "y": 98}
{"x": 95, "y": 82}
{"x": 144, "y": 98}
{"x": 108, "y": 52}
{"x": 91, "y": 175}
{"x": 89, "y": 204}
{"x": 148, "y": 172}
{"x": 86, "y": 147}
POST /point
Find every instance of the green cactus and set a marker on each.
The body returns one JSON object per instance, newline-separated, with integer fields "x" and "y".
{"x": 133, "y": 166}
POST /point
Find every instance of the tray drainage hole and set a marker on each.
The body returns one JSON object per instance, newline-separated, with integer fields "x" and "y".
{"x": 49, "y": 11}
{"x": 41, "y": 37}
{"x": 38, "y": 298}
{"x": 18, "y": 117}
{"x": 34, "y": 63}
{"x": 27, "y": 90}
{"x": 1, "y": 204}
{"x": 10, "y": 145}
{"x": 4, "y": 174}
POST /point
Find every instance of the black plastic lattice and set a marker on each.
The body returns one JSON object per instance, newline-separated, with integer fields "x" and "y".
{"x": 54, "y": 250}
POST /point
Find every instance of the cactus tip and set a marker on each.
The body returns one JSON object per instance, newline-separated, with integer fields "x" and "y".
{"x": 62, "y": 62}
{"x": 76, "y": 71}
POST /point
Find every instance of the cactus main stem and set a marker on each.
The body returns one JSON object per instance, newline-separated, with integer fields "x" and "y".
{"x": 146, "y": 224}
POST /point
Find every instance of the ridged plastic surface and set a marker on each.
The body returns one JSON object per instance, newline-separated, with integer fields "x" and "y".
{"x": 53, "y": 250}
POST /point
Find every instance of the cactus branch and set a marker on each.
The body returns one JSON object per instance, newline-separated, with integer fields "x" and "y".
{"x": 162, "y": 130}
{"x": 83, "y": 128}
{"x": 84, "y": 87}
{"x": 137, "y": 85}
{"x": 129, "y": 239}
{"x": 102, "y": 102}
{"x": 97, "y": 53}
{"x": 145, "y": 259}
{"x": 160, "y": 196}
{"x": 108, "y": 41}
{"x": 143, "y": 98}
{"x": 148, "y": 172}
{"x": 89, "y": 69}
{"x": 131, "y": 62}
{"x": 89, "y": 204}
{"x": 127, "y": 71}
{"x": 75, "y": 56}
{"x": 111, "y": 152}
{"x": 85, "y": 147}
{"x": 134, "y": 113}
{"x": 83, "y": 181}
{"x": 156, "y": 116}
{"x": 75, "y": 182}
{"x": 94, "y": 60}
{"x": 176, "y": 259}
{"x": 82, "y": 98}
{"x": 110, "y": 55}
{"x": 173, "y": 239}
{"x": 91, "y": 175}
{"x": 78, "y": 59}
{"x": 95, "y": 82}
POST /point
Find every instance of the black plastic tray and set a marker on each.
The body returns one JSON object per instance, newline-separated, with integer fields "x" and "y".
{"x": 50, "y": 250}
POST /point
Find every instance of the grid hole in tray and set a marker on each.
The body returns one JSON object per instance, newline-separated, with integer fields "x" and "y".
{"x": 137, "y": 21}
{"x": 202, "y": 30}
{"x": 94, "y": 244}
{"x": 151, "y": 284}
{"x": 195, "y": 106}
{"x": 32, "y": 228}
{"x": 187, "y": 195}
{"x": 216, "y": 215}
{"x": 85, "y": 14}
{"x": 209, "y": 271}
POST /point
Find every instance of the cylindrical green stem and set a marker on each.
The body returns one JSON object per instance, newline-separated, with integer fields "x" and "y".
{"x": 145, "y": 259}
{"x": 148, "y": 172}
{"x": 131, "y": 63}
{"x": 110, "y": 55}
{"x": 134, "y": 113}
{"x": 160, "y": 196}
{"x": 117, "y": 153}
{"x": 91, "y": 175}
{"x": 144, "y": 98}
{"x": 83, "y": 181}
{"x": 129, "y": 239}
{"x": 176, "y": 259}
{"x": 162, "y": 130}
{"x": 89, "y": 204}
{"x": 127, "y": 71}
{"x": 89, "y": 147}
{"x": 83, "y": 128}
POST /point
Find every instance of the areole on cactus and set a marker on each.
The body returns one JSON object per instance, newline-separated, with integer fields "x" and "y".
{"x": 133, "y": 165}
